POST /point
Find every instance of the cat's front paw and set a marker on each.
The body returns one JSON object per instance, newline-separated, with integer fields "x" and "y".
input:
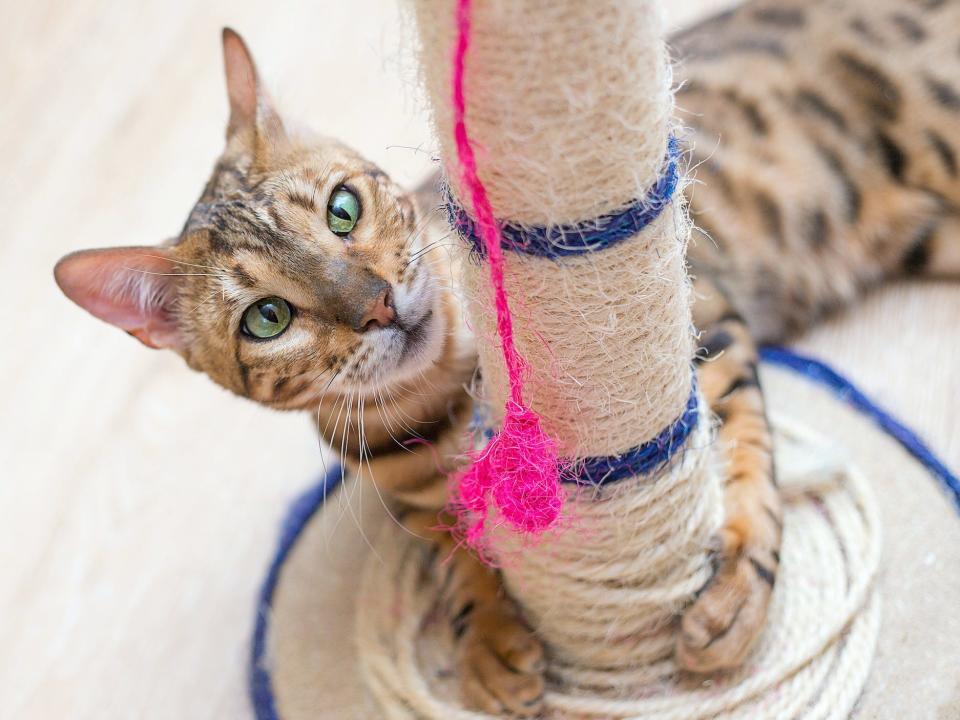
{"x": 718, "y": 631}
{"x": 500, "y": 662}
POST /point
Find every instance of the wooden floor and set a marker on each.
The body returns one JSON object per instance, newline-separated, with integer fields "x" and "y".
{"x": 138, "y": 503}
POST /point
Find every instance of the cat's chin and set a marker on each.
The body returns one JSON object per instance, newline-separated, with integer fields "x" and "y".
{"x": 419, "y": 345}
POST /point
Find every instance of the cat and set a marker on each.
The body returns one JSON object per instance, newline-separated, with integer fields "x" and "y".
{"x": 305, "y": 279}
{"x": 824, "y": 136}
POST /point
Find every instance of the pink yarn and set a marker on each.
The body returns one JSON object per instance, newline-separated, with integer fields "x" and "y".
{"x": 518, "y": 469}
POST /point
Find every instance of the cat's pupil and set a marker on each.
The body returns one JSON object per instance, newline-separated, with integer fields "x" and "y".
{"x": 340, "y": 213}
{"x": 269, "y": 312}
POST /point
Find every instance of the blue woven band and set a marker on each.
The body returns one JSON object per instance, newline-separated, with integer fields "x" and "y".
{"x": 642, "y": 459}
{"x": 558, "y": 241}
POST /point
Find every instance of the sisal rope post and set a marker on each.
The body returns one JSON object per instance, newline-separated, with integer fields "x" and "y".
{"x": 567, "y": 115}
{"x": 569, "y": 108}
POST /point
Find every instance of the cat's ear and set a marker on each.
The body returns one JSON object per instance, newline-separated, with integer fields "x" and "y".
{"x": 250, "y": 104}
{"x": 132, "y": 288}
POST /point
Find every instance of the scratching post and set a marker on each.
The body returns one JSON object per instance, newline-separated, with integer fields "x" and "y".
{"x": 568, "y": 111}
{"x": 571, "y": 120}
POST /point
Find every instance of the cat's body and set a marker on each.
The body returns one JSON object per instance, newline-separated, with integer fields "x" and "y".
{"x": 827, "y": 141}
{"x": 826, "y": 135}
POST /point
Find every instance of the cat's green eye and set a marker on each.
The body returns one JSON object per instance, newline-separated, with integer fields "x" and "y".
{"x": 267, "y": 318}
{"x": 343, "y": 211}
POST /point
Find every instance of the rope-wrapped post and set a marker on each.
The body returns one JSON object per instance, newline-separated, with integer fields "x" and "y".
{"x": 556, "y": 123}
{"x": 569, "y": 109}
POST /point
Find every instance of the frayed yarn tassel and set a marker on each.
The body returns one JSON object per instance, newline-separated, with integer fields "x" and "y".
{"x": 518, "y": 470}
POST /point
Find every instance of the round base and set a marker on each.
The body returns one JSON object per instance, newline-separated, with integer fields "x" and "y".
{"x": 308, "y": 665}
{"x": 813, "y": 658}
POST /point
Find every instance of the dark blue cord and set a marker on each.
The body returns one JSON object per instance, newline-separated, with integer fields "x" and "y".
{"x": 299, "y": 514}
{"x": 557, "y": 241}
{"x": 642, "y": 459}
{"x": 848, "y": 392}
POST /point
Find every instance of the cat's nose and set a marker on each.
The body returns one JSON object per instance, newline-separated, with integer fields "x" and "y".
{"x": 380, "y": 314}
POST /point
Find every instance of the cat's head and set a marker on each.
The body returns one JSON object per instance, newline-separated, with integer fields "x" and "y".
{"x": 301, "y": 270}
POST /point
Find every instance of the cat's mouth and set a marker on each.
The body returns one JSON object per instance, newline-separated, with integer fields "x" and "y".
{"x": 415, "y": 335}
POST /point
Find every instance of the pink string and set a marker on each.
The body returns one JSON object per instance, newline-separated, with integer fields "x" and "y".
{"x": 518, "y": 469}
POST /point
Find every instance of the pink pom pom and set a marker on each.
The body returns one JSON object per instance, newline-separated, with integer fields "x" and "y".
{"x": 518, "y": 469}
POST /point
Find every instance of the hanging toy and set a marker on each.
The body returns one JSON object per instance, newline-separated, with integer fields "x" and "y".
{"x": 519, "y": 468}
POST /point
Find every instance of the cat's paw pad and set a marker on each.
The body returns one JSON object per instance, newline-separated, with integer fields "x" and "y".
{"x": 718, "y": 631}
{"x": 501, "y": 663}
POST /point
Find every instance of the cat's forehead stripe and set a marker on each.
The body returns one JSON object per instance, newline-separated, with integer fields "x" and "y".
{"x": 242, "y": 276}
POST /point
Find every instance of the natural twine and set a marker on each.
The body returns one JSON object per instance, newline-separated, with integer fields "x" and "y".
{"x": 569, "y": 103}
{"x": 812, "y": 660}
{"x": 569, "y": 106}
{"x": 607, "y": 336}
{"x": 603, "y": 591}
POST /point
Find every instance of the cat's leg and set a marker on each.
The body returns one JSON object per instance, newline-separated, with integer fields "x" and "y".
{"x": 725, "y": 620}
{"x": 499, "y": 660}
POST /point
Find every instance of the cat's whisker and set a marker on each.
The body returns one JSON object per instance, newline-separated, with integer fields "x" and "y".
{"x": 407, "y": 392}
{"x": 386, "y": 505}
{"x": 321, "y": 435}
{"x": 399, "y": 420}
{"x": 170, "y": 274}
{"x": 363, "y": 453}
{"x": 427, "y": 381}
{"x": 448, "y": 247}
{"x": 348, "y": 505}
{"x": 203, "y": 302}
{"x": 184, "y": 262}
{"x": 339, "y": 406}
{"x": 366, "y": 455}
{"x": 336, "y": 403}
{"x": 417, "y": 231}
{"x": 416, "y": 149}
{"x": 307, "y": 396}
{"x": 439, "y": 242}
{"x": 345, "y": 497}
{"x": 385, "y": 418}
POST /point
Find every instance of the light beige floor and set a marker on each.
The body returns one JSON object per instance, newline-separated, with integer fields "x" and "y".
{"x": 139, "y": 503}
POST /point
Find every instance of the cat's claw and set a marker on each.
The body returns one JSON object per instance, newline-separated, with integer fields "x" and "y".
{"x": 722, "y": 626}
{"x": 501, "y": 663}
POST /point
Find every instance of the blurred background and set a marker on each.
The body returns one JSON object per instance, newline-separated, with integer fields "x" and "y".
{"x": 139, "y": 503}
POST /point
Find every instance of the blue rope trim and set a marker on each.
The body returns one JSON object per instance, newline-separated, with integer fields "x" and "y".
{"x": 845, "y": 390}
{"x": 642, "y": 459}
{"x": 559, "y": 241}
{"x": 299, "y": 514}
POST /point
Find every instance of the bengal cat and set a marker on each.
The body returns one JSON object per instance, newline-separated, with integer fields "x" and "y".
{"x": 825, "y": 134}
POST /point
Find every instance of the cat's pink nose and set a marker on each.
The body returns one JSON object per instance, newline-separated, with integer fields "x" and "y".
{"x": 381, "y": 312}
